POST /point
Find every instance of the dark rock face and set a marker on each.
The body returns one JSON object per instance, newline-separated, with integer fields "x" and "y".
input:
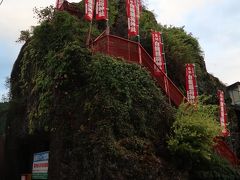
{"x": 100, "y": 117}
{"x": 108, "y": 120}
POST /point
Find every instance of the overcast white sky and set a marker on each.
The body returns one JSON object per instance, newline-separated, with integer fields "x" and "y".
{"x": 213, "y": 22}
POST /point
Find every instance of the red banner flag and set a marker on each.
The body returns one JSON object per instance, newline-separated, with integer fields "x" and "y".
{"x": 59, "y": 4}
{"x": 101, "y": 9}
{"x": 191, "y": 83}
{"x": 157, "y": 46}
{"x": 132, "y": 18}
{"x": 223, "y": 113}
{"x": 89, "y": 8}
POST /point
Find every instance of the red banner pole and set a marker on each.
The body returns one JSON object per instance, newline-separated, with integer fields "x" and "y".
{"x": 129, "y": 55}
{"x": 196, "y": 86}
{"x": 163, "y": 53}
{"x": 138, "y": 33}
{"x": 165, "y": 66}
{"x": 108, "y": 28}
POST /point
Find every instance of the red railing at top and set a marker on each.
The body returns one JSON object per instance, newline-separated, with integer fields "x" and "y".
{"x": 64, "y": 5}
{"x": 134, "y": 52}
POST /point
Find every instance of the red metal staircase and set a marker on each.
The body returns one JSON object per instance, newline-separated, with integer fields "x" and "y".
{"x": 133, "y": 52}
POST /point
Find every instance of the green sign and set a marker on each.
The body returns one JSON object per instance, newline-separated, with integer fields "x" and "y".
{"x": 40, "y": 176}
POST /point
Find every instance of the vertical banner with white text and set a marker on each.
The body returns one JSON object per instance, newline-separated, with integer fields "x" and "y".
{"x": 101, "y": 10}
{"x": 223, "y": 113}
{"x": 191, "y": 83}
{"x": 157, "y": 47}
{"x": 89, "y": 9}
{"x": 40, "y": 165}
{"x": 132, "y": 17}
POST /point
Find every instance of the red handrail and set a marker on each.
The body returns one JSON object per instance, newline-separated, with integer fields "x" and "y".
{"x": 223, "y": 150}
{"x": 129, "y": 50}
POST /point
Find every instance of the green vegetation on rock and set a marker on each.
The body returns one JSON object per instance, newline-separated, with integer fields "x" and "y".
{"x": 193, "y": 131}
{"x": 191, "y": 143}
{"x": 3, "y": 117}
{"x": 105, "y": 118}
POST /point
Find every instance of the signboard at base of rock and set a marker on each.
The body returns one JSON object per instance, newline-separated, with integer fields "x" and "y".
{"x": 40, "y": 165}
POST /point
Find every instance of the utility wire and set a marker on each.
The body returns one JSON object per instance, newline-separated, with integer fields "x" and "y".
{"x": 1, "y": 2}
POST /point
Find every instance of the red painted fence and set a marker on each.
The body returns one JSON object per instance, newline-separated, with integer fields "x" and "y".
{"x": 130, "y": 50}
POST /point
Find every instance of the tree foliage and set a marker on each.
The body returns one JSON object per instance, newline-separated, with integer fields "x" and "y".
{"x": 191, "y": 143}
{"x": 44, "y": 14}
{"x": 193, "y": 131}
{"x": 107, "y": 119}
{"x": 3, "y": 116}
{"x": 216, "y": 168}
{"x": 95, "y": 108}
{"x": 24, "y": 36}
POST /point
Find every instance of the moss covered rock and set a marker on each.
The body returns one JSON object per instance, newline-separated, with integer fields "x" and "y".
{"x": 100, "y": 117}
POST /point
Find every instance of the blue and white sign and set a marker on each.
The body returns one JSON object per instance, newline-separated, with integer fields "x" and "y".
{"x": 40, "y": 165}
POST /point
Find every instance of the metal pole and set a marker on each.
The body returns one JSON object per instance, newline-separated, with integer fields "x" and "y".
{"x": 138, "y": 15}
{"x": 89, "y": 34}
{"x": 196, "y": 99}
{"x": 165, "y": 65}
{"x": 107, "y": 21}
{"x": 129, "y": 55}
{"x": 164, "y": 57}
{"x": 107, "y": 30}
{"x": 138, "y": 36}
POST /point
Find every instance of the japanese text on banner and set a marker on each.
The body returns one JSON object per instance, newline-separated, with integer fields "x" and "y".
{"x": 191, "y": 84}
{"x": 101, "y": 9}
{"x": 132, "y": 18}
{"x": 89, "y": 8}
{"x": 223, "y": 113}
{"x": 158, "y": 52}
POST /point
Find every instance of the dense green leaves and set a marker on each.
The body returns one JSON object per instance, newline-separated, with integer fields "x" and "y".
{"x": 107, "y": 119}
{"x": 3, "y": 117}
{"x": 193, "y": 132}
{"x": 124, "y": 94}
{"x": 125, "y": 122}
{"x": 216, "y": 168}
{"x": 191, "y": 143}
